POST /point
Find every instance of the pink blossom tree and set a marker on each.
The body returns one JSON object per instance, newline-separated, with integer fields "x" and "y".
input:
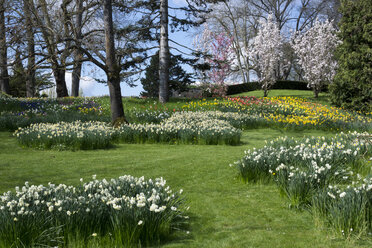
{"x": 266, "y": 53}
{"x": 220, "y": 61}
{"x": 219, "y": 55}
{"x": 315, "y": 51}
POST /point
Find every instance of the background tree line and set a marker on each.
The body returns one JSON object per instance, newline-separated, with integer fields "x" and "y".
{"x": 44, "y": 38}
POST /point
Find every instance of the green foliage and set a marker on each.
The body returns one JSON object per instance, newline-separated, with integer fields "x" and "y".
{"x": 4, "y": 96}
{"x": 179, "y": 80}
{"x": 352, "y": 85}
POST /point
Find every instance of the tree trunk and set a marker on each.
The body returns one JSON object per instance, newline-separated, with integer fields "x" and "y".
{"x": 76, "y": 73}
{"x": 4, "y": 77}
{"x": 163, "y": 53}
{"x": 248, "y": 78}
{"x": 316, "y": 92}
{"x": 30, "y": 74}
{"x": 113, "y": 70}
{"x": 117, "y": 110}
{"x": 59, "y": 76}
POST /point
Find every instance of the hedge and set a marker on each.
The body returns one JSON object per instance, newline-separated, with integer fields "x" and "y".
{"x": 280, "y": 84}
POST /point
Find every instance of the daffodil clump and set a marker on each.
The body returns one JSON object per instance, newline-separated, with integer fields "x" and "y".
{"x": 347, "y": 209}
{"x": 147, "y": 116}
{"x": 63, "y": 135}
{"x": 237, "y": 120}
{"x": 183, "y": 127}
{"x": 127, "y": 210}
{"x": 303, "y": 169}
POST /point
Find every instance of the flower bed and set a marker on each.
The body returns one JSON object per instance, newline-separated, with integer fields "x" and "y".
{"x": 130, "y": 210}
{"x": 288, "y": 112}
{"x": 19, "y": 112}
{"x": 210, "y": 128}
{"x": 75, "y": 135}
{"x": 182, "y": 127}
{"x": 304, "y": 169}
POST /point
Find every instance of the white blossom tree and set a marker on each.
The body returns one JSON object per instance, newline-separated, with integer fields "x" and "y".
{"x": 201, "y": 44}
{"x": 315, "y": 51}
{"x": 267, "y": 52}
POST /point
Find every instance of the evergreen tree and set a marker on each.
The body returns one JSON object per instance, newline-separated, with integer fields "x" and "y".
{"x": 178, "y": 78}
{"x": 352, "y": 87}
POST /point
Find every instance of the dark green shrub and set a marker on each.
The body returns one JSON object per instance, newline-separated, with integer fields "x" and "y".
{"x": 352, "y": 86}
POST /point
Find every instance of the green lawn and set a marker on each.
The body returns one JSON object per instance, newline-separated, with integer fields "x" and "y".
{"x": 224, "y": 212}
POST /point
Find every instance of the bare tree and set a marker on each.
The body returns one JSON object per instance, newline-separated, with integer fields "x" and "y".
{"x": 331, "y": 11}
{"x": 53, "y": 23}
{"x": 236, "y": 19}
{"x": 4, "y": 77}
{"x": 280, "y": 9}
{"x": 108, "y": 61}
{"x": 290, "y": 14}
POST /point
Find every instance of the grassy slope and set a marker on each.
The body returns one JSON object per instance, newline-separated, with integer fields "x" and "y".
{"x": 224, "y": 211}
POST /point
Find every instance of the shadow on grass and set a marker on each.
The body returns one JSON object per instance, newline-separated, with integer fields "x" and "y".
{"x": 184, "y": 233}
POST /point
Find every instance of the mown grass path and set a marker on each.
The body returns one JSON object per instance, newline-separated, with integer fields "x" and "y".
{"x": 224, "y": 212}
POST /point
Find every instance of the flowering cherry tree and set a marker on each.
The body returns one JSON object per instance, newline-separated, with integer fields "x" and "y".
{"x": 222, "y": 53}
{"x": 218, "y": 52}
{"x": 266, "y": 53}
{"x": 315, "y": 51}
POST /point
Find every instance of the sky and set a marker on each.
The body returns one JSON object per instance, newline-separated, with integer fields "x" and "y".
{"x": 90, "y": 87}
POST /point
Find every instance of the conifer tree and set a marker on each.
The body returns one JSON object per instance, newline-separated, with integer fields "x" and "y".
{"x": 352, "y": 86}
{"x": 178, "y": 78}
